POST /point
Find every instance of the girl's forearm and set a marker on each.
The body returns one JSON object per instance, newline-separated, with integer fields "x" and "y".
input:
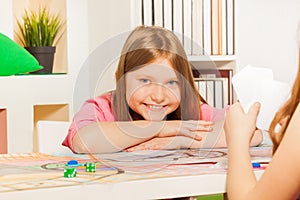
{"x": 106, "y": 137}
{"x": 220, "y": 140}
{"x": 240, "y": 177}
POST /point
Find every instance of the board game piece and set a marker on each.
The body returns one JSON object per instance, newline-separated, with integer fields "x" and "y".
{"x": 73, "y": 163}
{"x": 70, "y": 172}
{"x": 90, "y": 167}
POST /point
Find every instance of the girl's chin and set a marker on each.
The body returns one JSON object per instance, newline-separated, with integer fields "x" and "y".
{"x": 155, "y": 117}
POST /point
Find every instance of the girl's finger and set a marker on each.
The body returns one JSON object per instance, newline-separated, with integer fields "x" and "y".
{"x": 201, "y": 128}
{"x": 199, "y": 122}
{"x": 195, "y": 127}
{"x": 205, "y": 128}
{"x": 194, "y": 135}
{"x": 197, "y": 137}
{"x": 254, "y": 109}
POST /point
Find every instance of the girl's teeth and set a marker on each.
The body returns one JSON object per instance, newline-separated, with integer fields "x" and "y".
{"x": 154, "y": 107}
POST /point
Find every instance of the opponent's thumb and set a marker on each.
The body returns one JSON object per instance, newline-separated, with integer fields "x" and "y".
{"x": 254, "y": 109}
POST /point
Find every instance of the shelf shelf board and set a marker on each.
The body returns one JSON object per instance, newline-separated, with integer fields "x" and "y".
{"x": 35, "y": 89}
{"x": 212, "y": 58}
{"x": 52, "y": 74}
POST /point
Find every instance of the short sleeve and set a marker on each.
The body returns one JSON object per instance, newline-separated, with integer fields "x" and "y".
{"x": 93, "y": 110}
{"x": 209, "y": 113}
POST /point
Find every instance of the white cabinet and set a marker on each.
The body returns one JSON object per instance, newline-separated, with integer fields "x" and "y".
{"x": 28, "y": 99}
{"x": 25, "y": 99}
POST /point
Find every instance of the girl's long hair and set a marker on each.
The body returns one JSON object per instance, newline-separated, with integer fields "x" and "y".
{"x": 285, "y": 113}
{"x": 144, "y": 45}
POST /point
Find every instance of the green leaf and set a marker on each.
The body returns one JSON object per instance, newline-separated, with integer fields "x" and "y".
{"x": 40, "y": 28}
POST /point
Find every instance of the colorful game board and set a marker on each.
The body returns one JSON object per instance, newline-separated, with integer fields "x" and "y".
{"x": 34, "y": 170}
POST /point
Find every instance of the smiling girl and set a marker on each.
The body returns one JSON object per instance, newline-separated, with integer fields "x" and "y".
{"x": 155, "y": 105}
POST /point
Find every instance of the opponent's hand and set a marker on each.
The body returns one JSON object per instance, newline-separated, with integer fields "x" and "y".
{"x": 192, "y": 129}
{"x": 240, "y": 126}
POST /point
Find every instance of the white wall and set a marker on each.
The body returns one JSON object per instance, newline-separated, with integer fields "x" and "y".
{"x": 6, "y": 26}
{"x": 266, "y": 36}
{"x": 107, "y": 19}
{"x": 108, "y": 24}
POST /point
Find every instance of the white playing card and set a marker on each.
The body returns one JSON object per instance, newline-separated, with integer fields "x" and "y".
{"x": 253, "y": 84}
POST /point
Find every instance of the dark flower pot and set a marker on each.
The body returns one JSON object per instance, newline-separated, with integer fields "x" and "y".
{"x": 45, "y": 57}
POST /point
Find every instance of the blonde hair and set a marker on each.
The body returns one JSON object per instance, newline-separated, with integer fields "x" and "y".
{"x": 144, "y": 45}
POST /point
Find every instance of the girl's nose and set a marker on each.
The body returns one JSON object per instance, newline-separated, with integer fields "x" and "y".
{"x": 158, "y": 93}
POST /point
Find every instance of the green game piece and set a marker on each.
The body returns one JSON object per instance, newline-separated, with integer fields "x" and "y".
{"x": 90, "y": 167}
{"x": 70, "y": 173}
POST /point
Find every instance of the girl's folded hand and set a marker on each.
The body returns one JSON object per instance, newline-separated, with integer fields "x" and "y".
{"x": 192, "y": 129}
{"x": 163, "y": 143}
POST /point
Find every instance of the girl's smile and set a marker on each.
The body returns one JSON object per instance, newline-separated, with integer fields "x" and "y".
{"x": 153, "y": 91}
{"x": 155, "y": 107}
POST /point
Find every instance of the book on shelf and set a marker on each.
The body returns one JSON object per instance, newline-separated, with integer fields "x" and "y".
{"x": 230, "y": 27}
{"x": 202, "y": 88}
{"x": 206, "y": 27}
{"x": 214, "y": 86}
{"x": 177, "y": 16}
{"x": 187, "y": 26}
{"x": 213, "y": 90}
{"x": 215, "y": 27}
{"x": 197, "y": 34}
{"x": 147, "y": 12}
{"x": 167, "y": 11}
{"x": 158, "y": 13}
{"x": 221, "y": 92}
{"x": 224, "y": 27}
{"x": 210, "y": 90}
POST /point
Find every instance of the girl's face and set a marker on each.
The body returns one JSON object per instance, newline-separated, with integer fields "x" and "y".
{"x": 153, "y": 90}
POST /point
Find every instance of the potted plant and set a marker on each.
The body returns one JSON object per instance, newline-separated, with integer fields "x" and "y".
{"x": 39, "y": 33}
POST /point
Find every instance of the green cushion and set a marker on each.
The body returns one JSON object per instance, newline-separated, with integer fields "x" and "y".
{"x": 14, "y": 59}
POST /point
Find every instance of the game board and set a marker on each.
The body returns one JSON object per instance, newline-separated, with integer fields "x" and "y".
{"x": 34, "y": 170}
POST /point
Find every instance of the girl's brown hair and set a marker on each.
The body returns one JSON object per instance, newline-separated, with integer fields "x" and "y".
{"x": 285, "y": 113}
{"x": 144, "y": 45}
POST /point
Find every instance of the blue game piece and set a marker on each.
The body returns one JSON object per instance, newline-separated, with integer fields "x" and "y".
{"x": 73, "y": 163}
{"x": 256, "y": 165}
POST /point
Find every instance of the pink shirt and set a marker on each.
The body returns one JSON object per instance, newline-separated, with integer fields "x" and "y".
{"x": 100, "y": 109}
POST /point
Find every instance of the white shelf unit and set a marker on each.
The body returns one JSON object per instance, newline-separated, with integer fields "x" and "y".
{"x": 204, "y": 27}
{"x": 22, "y": 96}
{"x": 25, "y": 99}
{"x": 213, "y": 58}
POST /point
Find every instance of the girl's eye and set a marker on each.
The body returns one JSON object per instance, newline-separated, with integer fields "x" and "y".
{"x": 172, "y": 83}
{"x": 145, "y": 81}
